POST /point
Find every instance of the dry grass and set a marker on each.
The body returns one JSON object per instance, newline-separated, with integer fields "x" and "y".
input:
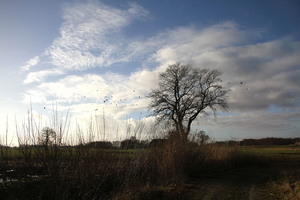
{"x": 83, "y": 173}
{"x": 59, "y": 172}
{"x": 287, "y": 186}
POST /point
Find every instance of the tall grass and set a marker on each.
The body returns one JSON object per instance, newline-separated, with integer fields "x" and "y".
{"x": 77, "y": 171}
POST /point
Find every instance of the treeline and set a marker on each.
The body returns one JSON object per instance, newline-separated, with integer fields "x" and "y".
{"x": 125, "y": 144}
{"x": 133, "y": 143}
{"x": 270, "y": 141}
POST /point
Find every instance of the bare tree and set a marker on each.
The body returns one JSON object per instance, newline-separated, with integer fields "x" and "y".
{"x": 184, "y": 93}
{"x": 202, "y": 137}
{"x": 48, "y": 137}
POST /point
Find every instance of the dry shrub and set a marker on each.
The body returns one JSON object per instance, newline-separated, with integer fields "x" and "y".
{"x": 212, "y": 159}
{"x": 287, "y": 185}
{"x": 164, "y": 164}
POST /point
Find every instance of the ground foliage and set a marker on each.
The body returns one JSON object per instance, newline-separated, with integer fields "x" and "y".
{"x": 87, "y": 173}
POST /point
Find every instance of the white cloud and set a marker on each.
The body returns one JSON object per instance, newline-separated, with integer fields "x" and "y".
{"x": 138, "y": 11}
{"x": 92, "y": 35}
{"x": 261, "y": 67}
{"x": 187, "y": 43}
{"x": 268, "y": 70}
{"x": 30, "y": 63}
{"x": 40, "y": 75}
{"x": 254, "y": 121}
{"x": 34, "y": 96}
{"x": 120, "y": 95}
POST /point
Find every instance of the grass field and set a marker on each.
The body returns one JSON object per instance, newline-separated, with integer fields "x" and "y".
{"x": 287, "y": 162}
{"x": 272, "y": 150}
{"x": 85, "y": 173}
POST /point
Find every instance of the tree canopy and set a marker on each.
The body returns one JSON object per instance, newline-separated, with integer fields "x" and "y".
{"x": 184, "y": 93}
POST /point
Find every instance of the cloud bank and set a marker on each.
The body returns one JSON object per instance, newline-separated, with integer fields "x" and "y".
{"x": 261, "y": 76}
{"x": 29, "y": 64}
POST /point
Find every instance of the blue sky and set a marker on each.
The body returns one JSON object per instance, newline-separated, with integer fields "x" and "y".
{"x": 78, "y": 54}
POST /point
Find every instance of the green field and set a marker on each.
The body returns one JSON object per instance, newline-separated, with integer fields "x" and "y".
{"x": 283, "y": 151}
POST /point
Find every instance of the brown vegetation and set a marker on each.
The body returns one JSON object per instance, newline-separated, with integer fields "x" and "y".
{"x": 49, "y": 169}
{"x": 94, "y": 173}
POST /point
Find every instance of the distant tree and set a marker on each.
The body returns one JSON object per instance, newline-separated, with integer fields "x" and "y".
{"x": 48, "y": 137}
{"x": 116, "y": 144}
{"x": 144, "y": 144}
{"x": 133, "y": 138}
{"x": 131, "y": 143}
{"x": 202, "y": 137}
{"x": 157, "y": 143}
{"x": 100, "y": 145}
{"x": 184, "y": 93}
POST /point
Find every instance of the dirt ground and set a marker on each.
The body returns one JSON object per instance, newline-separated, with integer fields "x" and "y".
{"x": 247, "y": 184}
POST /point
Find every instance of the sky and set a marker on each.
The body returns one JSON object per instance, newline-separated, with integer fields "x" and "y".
{"x": 98, "y": 60}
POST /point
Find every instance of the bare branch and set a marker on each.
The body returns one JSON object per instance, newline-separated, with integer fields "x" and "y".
{"x": 185, "y": 93}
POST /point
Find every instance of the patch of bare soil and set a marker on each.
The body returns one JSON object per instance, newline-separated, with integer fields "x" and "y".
{"x": 247, "y": 184}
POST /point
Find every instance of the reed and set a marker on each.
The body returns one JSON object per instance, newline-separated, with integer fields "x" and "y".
{"x": 65, "y": 168}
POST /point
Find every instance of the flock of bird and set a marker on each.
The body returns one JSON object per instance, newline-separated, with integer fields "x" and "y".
{"x": 111, "y": 101}
{"x": 240, "y": 83}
